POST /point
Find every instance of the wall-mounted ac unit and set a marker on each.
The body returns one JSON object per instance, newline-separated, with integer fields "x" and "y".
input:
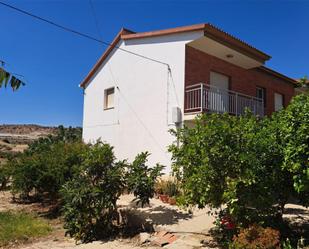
{"x": 176, "y": 115}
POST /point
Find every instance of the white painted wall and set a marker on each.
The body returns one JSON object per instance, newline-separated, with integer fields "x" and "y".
{"x": 143, "y": 104}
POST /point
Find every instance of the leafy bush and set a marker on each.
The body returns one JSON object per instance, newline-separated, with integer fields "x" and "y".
{"x": 5, "y": 173}
{"x": 45, "y": 171}
{"x": 47, "y": 163}
{"x": 233, "y": 161}
{"x": 141, "y": 179}
{"x": 66, "y": 135}
{"x": 225, "y": 227}
{"x": 88, "y": 178}
{"x": 257, "y": 237}
{"x": 90, "y": 197}
{"x": 295, "y": 130}
{"x": 287, "y": 244}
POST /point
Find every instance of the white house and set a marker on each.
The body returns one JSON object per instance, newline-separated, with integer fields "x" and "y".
{"x": 148, "y": 83}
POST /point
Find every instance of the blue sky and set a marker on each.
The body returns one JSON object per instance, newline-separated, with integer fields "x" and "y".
{"x": 54, "y": 62}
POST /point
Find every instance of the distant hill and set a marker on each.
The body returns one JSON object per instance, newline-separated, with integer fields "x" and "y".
{"x": 15, "y": 138}
{"x": 26, "y": 129}
{"x": 24, "y": 134}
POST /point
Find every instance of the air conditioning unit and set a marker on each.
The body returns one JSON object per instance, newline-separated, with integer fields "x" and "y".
{"x": 176, "y": 115}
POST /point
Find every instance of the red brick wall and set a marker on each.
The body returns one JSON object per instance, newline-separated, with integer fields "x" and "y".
{"x": 198, "y": 66}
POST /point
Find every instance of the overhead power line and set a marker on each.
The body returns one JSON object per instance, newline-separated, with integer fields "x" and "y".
{"x": 78, "y": 32}
{"x": 95, "y": 19}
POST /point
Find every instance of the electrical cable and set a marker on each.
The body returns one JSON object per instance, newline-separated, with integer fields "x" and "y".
{"x": 79, "y": 33}
{"x": 142, "y": 123}
{"x": 95, "y": 19}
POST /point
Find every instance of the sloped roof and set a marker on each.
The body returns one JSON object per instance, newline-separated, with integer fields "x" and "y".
{"x": 209, "y": 30}
{"x": 278, "y": 75}
{"x": 104, "y": 56}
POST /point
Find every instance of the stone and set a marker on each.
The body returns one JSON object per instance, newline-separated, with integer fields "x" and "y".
{"x": 144, "y": 238}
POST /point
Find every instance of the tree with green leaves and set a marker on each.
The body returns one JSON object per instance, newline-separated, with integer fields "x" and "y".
{"x": 90, "y": 197}
{"x": 294, "y": 124}
{"x": 141, "y": 178}
{"x": 235, "y": 162}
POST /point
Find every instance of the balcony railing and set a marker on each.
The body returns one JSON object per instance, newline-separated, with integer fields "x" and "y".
{"x": 206, "y": 98}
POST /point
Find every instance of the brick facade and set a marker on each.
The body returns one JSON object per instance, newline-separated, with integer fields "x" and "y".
{"x": 199, "y": 64}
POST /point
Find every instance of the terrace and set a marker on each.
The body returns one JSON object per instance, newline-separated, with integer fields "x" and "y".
{"x": 201, "y": 98}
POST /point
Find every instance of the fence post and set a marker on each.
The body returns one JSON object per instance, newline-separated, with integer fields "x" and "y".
{"x": 202, "y": 97}
{"x": 236, "y": 104}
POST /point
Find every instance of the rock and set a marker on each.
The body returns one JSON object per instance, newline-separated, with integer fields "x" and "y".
{"x": 144, "y": 238}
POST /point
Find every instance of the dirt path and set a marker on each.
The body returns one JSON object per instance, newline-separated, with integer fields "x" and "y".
{"x": 189, "y": 227}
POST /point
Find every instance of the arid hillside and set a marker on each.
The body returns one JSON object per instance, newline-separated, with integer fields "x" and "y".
{"x": 15, "y": 138}
{"x": 24, "y": 132}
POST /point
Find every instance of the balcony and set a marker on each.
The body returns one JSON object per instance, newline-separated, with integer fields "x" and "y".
{"x": 201, "y": 98}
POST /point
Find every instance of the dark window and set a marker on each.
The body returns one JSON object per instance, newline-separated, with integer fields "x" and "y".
{"x": 261, "y": 94}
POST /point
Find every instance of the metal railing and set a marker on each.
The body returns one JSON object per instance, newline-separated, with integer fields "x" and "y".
{"x": 206, "y": 98}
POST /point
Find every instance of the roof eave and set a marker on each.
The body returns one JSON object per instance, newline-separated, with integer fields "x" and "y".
{"x": 99, "y": 62}
{"x": 279, "y": 75}
{"x": 191, "y": 28}
{"x": 208, "y": 29}
{"x": 229, "y": 40}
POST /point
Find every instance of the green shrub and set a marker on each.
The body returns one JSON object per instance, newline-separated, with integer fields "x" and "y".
{"x": 5, "y": 174}
{"x": 65, "y": 135}
{"x": 287, "y": 244}
{"x": 46, "y": 170}
{"x": 90, "y": 197}
{"x": 257, "y": 237}
{"x": 295, "y": 129}
{"x": 141, "y": 179}
{"x": 233, "y": 161}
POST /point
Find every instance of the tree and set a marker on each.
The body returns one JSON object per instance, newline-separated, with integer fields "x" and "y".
{"x": 47, "y": 163}
{"x": 233, "y": 161}
{"x": 295, "y": 132}
{"x": 141, "y": 179}
{"x": 303, "y": 82}
{"x": 90, "y": 197}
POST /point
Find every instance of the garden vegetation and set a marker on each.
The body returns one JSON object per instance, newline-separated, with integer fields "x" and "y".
{"x": 249, "y": 165}
{"x": 252, "y": 166}
{"x": 85, "y": 180}
{"x": 17, "y": 226}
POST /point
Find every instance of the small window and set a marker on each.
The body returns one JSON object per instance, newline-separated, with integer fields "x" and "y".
{"x": 261, "y": 94}
{"x": 279, "y": 101}
{"x": 109, "y": 98}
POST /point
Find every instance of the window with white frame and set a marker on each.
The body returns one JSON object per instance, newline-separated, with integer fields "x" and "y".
{"x": 109, "y": 98}
{"x": 279, "y": 101}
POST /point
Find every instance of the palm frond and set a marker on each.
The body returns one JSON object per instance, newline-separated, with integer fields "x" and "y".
{"x": 6, "y": 79}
